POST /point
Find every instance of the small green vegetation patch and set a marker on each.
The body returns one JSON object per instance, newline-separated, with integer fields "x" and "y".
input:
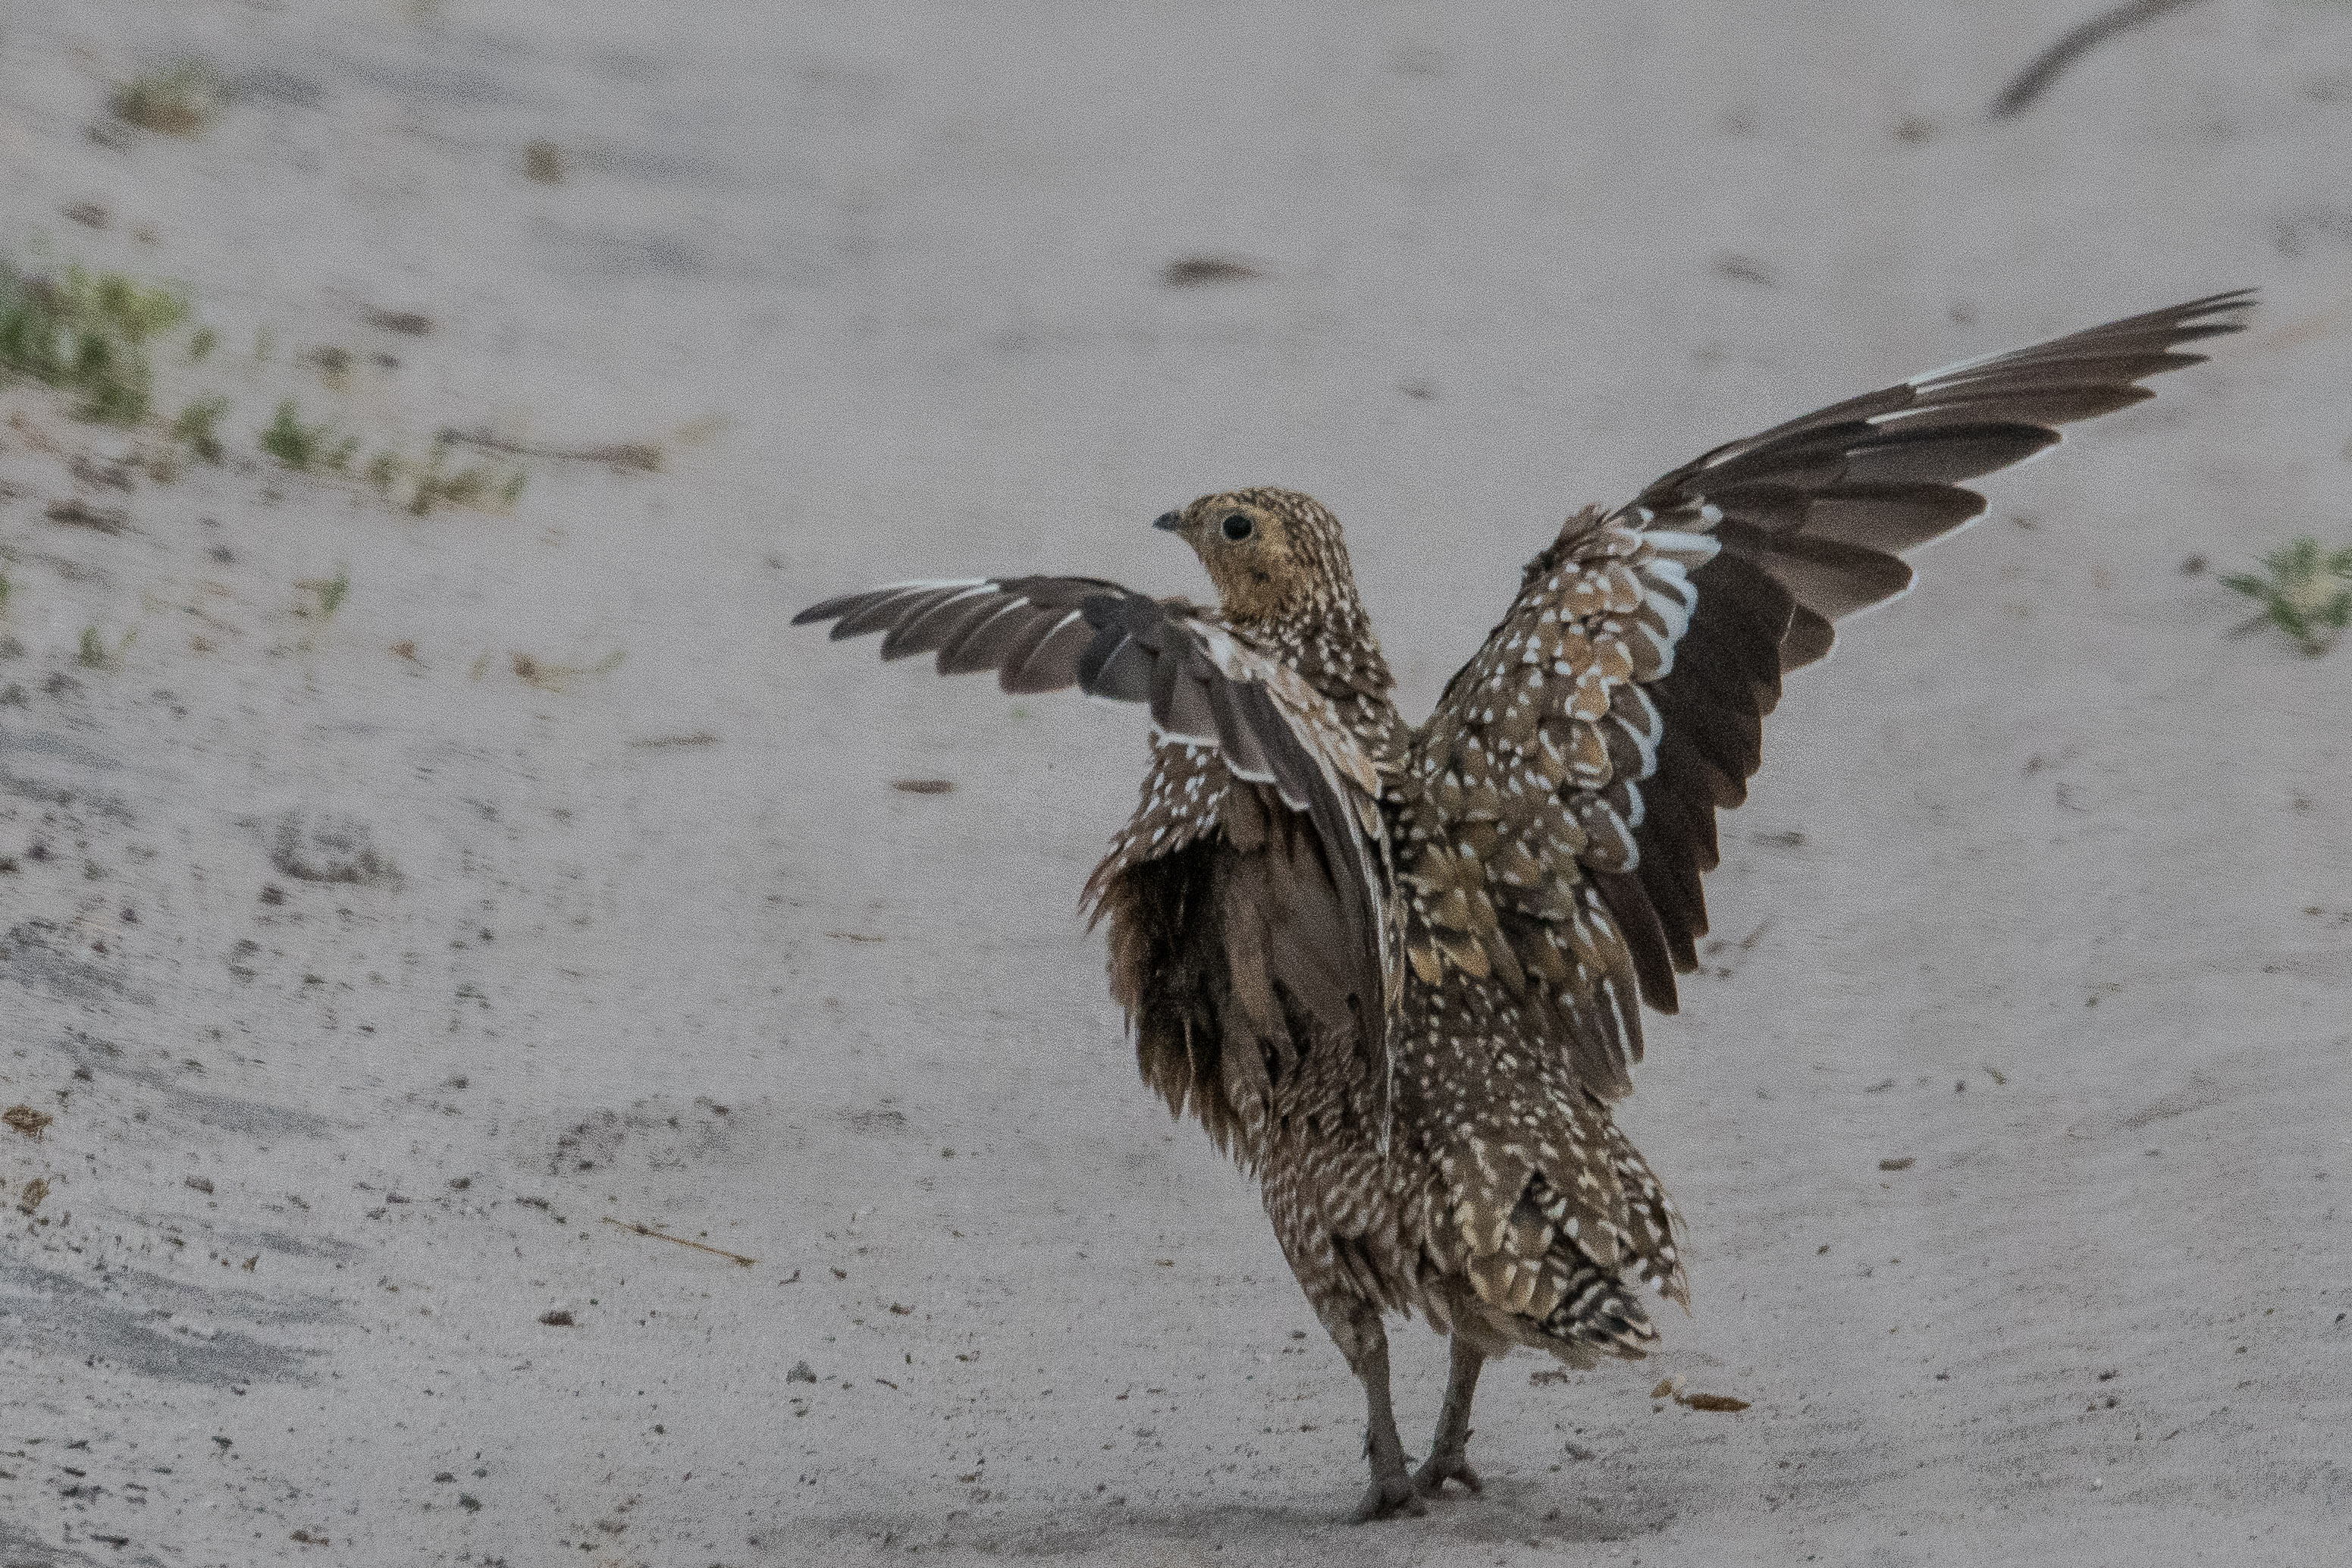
{"x": 96, "y": 335}
{"x": 198, "y": 428}
{"x": 178, "y": 100}
{"x": 303, "y": 446}
{"x": 432, "y": 484}
{"x": 86, "y": 332}
{"x": 2305, "y": 591}
{"x": 96, "y": 654}
{"x": 331, "y": 590}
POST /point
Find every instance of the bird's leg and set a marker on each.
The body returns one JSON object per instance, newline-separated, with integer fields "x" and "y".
{"x": 1448, "y": 1460}
{"x": 1392, "y": 1492}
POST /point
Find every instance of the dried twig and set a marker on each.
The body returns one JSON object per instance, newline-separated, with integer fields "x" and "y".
{"x": 637, "y": 1229}
{"x": 2052, "y": 62}
{"x": 641, "y": 455}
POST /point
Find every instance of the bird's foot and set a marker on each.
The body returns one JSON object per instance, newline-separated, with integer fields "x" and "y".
{"x": 1389, "y": 1497}
{"x": 1441, "y": 1467}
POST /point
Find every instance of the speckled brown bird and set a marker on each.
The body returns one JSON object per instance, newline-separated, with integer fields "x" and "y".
{"x": 1397, "y": 972}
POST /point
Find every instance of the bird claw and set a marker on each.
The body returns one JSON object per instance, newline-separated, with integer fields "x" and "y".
{"x": 1389, "y": 1497}
{"x": 1439, "y": 1468}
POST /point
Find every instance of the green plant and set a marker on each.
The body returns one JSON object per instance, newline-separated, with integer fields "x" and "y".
{"x": 87, "y": 333}
{"x": 2305, "y": 592}
{"x": 306, "y": 446}
{"x": 331, "y": 591}
{"x": 178, "y": 100}
{"x": 96, "y": 654}
{"x": 432, "y": 484}
{"x": 201, "y": 343}
{"x": 4, "y": 593}
{"x": 472, "y": 485}
{"x": 198, "y": 428}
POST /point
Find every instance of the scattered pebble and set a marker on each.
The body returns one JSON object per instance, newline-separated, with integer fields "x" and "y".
{"x": 408, "y": 323}
{"x": 1903, "y": 1164}
{"x": 1672, "y": 1388}
{"x": 557, "y": 1317}
{"x": 1192, "y": 271}
{"x": 1721, "y": 1402}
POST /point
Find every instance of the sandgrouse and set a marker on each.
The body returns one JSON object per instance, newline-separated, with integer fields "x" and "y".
{"x": 1397, "y": 971}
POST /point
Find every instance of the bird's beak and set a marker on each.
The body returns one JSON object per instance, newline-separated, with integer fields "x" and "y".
{"x": 1170, "y": 522}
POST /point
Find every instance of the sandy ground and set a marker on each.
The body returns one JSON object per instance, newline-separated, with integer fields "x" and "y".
{"x": 2047, "y": 887}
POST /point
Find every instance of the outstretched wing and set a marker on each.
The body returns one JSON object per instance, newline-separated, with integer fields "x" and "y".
{"x": 1571, "y": 776}
{"x": 1825, "y": 504}
{"x": 1203, "y": 683}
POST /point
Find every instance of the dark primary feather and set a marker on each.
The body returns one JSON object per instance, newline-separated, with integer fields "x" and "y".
{"x": 1817, "y": 512}
{"x": 1880, "y": 474}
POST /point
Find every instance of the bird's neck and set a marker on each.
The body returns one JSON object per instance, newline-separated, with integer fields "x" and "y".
{"x": 1333, "y": 646}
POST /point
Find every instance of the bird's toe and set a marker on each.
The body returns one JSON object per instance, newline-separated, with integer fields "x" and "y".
{"x": 1389, "y": 1496}
{"x": 1439, "y": 1468}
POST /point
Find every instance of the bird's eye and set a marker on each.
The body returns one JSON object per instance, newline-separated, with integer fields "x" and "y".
{"x": 1237, "y": 527}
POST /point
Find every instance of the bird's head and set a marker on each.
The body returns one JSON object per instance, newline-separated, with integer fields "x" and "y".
{"x": 1275, "y": 556}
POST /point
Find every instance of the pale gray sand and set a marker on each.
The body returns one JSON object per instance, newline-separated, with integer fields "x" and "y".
{"x": 885, "y": 283}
